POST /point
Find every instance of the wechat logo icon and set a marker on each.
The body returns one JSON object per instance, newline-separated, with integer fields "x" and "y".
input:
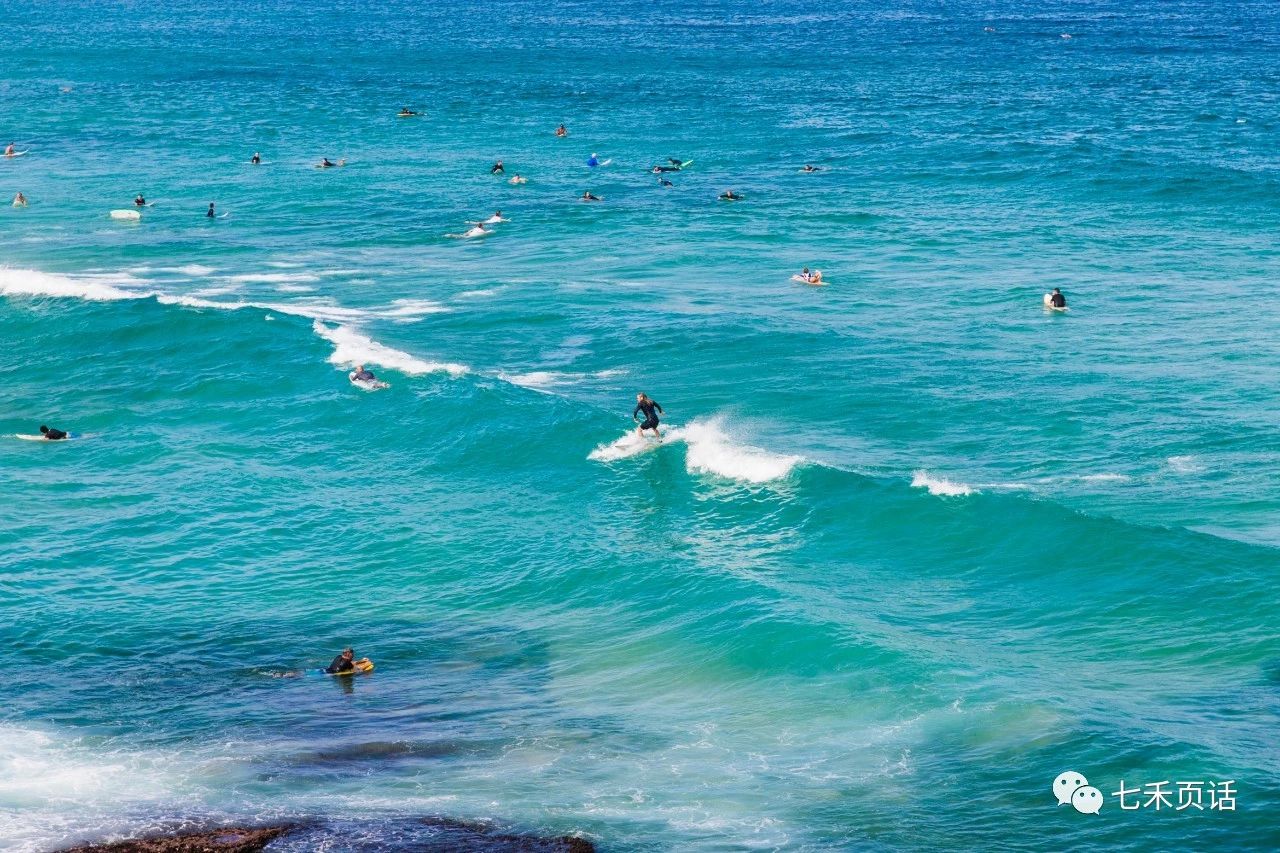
{"x": 1073, "y": 789}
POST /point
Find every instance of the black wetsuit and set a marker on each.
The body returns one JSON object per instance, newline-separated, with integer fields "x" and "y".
{"x": 650, "y": 416}
{"x": 341, "y": 664}
{"x": 55, "y": 434}
{"x": 497, "y": 169}
{"x": 1057, "y": 300}
{"x": 666, "y": 168}
{"x": 255, "y": 159}
{"x": 364, "y": 376}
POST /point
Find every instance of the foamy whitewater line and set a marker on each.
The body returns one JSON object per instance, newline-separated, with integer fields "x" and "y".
{"x": 542, "y": 380}
{"x": 940, "y": 486}
{"x": 351, "y": 348}
{"x": 709, "y": 450}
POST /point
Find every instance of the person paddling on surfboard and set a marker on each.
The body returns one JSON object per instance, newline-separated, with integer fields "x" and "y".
{"x": 651, "y": 411}
{"x": 52, "y": 434}
{"x": 498, "y": 169}
{"x": 19, "y": 200}
{"x": 588, "y": 196}
{"x": 362, "y": 375}
{"x": 562, "y": 131}
{"x": 1057, "y": 300}
{"x": 344, "y": 662}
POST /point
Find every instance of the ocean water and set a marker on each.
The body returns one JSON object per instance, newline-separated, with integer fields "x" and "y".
{"x": 912, "y": 547}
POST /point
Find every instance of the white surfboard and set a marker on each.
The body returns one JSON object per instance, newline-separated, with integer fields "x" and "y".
{"x": 26, "y": 436}
{"x": 1048, "y": 303}
{"x": 126, "y": 215}
{"x": 18, "y": 153}
{"x": 631, "y": 444}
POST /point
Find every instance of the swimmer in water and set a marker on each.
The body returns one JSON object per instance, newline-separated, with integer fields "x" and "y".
{"x": 325, "y": 163}
{"x": 674, "y": 162}
{"x": 660, "y": 169}
{"x": 344, "y": 662}
{"x": 497, "y": 169}
{"x": 19, "y": 200}
{"x": 651, "y": 410}
{"x": 587, "y": 196}
{"x": 663, "y": 182}
{"x": 518, "y": 180}
{"x": 593, "y": 161}
{"x": 405, "y": 112}
{"x": 210, "y": 214}
{"x": 808, "y": 168}
{"x": 562, "y": 131}
{"x": 139, "y": 201}
{"x": 730, "y": 195}
{"x": 256, "y": 159}
{"x": 52, "y": 434}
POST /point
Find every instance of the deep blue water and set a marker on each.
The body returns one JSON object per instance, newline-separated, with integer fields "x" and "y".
{"x": 912, "y": 546}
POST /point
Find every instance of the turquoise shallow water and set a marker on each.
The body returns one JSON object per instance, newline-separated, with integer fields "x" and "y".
{"x": 913, "y": 548}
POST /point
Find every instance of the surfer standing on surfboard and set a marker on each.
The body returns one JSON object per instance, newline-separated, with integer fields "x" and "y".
{"x": 651, "y": 411}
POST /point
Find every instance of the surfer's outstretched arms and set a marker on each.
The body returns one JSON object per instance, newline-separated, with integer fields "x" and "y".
{"x": 651, "y": 410}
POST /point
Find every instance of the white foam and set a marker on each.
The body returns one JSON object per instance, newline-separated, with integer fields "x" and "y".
{"x": 411, "y": 309}
{"x": 711, "y": 450}
{"x": 18, "y": 282}
{"x": 351, "y": 348}
{"x": 542, "y": 380}
{"x": 1184, "y": 464}
{"x": 52, "y": 787}
{"x": 294, "y": 288}
{"x": 193, "y": 270}
{"x": 940, "y": 485}
{"x": 630, "y": 444}
{"x": 1105, "y": 478}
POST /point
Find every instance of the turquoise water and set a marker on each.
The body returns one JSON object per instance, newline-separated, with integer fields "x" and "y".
{"x": 913, "y": 547}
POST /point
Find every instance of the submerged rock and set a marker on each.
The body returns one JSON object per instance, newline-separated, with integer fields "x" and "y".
{"x": 426, "y": 835}
{"x": 229, "y": 839}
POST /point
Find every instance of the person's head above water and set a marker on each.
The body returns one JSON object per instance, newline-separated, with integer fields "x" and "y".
{"x": 348, "y": 653}
{"x": 43, "y": 429}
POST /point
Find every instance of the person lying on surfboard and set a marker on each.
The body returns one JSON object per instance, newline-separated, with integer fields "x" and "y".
{"x": 497, "y": 169}
{"x": 562, "y": 131}
{"x": 344, "y": 662}
{"x": 587, "y": 196}
{"x": 407, "y": 113}
{"x": 52, "y": 434}
{"x": 651, "y": 411}
{"x": 362, "y": 375}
